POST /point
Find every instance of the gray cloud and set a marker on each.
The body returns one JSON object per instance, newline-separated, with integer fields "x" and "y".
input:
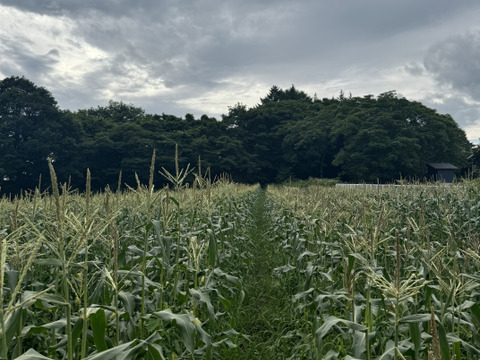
{"x": 203, "y": 56}
{"x": 415, "y": 69}
{"x": 455, "y": 62}
{"x": 456, "y": 105}
{"x": 17, "y": 57}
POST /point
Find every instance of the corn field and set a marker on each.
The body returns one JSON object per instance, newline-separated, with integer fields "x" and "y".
{"x": 381, "y": 273}
{"x": 227, "y": 271}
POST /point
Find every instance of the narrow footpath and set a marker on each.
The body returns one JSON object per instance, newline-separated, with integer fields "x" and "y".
{"x": 265, "y": 312}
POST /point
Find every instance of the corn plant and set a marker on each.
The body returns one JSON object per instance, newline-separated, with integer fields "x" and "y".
{"x": 372, "y": 265}
{"x": 117, "y": 274}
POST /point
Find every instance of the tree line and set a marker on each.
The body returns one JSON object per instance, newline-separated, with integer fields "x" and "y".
{"x": 288, "y": 135}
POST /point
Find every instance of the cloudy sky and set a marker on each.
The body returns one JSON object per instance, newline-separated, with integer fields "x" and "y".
{"x": 202, "y": 56}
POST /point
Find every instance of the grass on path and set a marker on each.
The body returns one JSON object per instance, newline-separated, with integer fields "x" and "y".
{"x": 266, "y": 310}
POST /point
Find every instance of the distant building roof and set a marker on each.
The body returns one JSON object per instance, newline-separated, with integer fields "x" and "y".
{"x": 442, "y": 166}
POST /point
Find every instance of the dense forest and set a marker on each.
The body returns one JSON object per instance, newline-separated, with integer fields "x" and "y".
{"x": 288, "y": 135}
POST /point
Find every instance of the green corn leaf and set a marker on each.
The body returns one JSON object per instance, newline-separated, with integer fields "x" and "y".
{"x": 475, "y": 310}
{"x": 98, "y": 289}
{"x": 175, "y": 201}
{"x": 303, "y": 294}
{"x": 331, "y": 321}
{"x": 333, "y": 297}
{"x": 76, "y": 330}
{"x": 12, "y": 324}
{"x": 128, "y": 301}
{"x": 52, "y": 299}
{"x": 351, "y": 264}
{"x": 331, "y": 355}
{"x": 285, "y": 268}
{"x": 155, "y": 351}
{"x": 389, "y": 352}
{"x": 184, "y": 323}
{"x": 358, "y": 257}
{"x": 138, "y": 276}
{"x": 225, "y": 341}
{"x": 49, "y": 262}
{"x": 206, "y": 338}
{"x": 444, "y": 345}
{"x": 359, "y": 344}
{"x": 117, "y": 353}
{"x": 204, "y": 297}
{"x": 306, "y": 253}
{"x": 416, "y": 336}
{"x": 164, "y": 240}
{"x": 225, "y": 302}
{"x": 241, "y": 297}
{"x": 12, "y": 276}
{"x": 231, "y": 333}
{"x": 32, "y": 355}
{"x": 57, "y": 325}
{"x": 235, "y": 281}
{"x": 32, "y": 330}
{"x": 149, "y": 226}
{"x": 98, "y": 322}
{"x": 457, "y": 351}
{"x": 29, "y": 297}
{"x": 416, "y": 318}
{"x": 140, "y": 345}
{"x": 212, "y": 250}
{"x": 463, "y": 306}
{"x": 134, "y": 249}
{"x": 447, "y": 303}
{"x": 308, "y": 275}
{"x": 471, "y": 349}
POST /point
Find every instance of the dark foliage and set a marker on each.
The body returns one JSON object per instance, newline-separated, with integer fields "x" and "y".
{"x": 288, "y": 135}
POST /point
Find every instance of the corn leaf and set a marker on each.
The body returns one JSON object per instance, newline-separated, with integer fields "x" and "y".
{"x": 113, "y": 353}
{"x": 212, "y": 250}
{"x": 184, "y": 322}
{"x": 444, "y": 345}
{"x": 98, "y": 322}
{"x": 128, "y": 301}
{"x": 12, "y": 324}
{"x": 471, "y": 349}
{"x": 416, "y": 318}
{"x": 155, "y": 351}
{"x": 330, "y": 321}
{"x": 32, "y": 355}
{"x": 204, "y": 297}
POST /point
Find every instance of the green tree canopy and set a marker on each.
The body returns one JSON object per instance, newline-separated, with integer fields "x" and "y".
{"x": 32, "y": 129}
{"x": 389, "y": 137}
{"x": 276, "y": 94}
{"x": 287, "y": 135}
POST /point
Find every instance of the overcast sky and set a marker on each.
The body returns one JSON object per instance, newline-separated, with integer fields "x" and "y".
{"x": 200, "y": 57}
